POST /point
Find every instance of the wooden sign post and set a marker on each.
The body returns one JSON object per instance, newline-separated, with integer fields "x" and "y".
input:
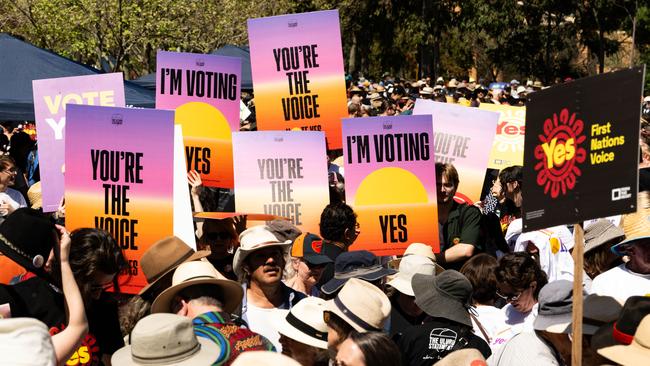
{"x": 576, "y": 327}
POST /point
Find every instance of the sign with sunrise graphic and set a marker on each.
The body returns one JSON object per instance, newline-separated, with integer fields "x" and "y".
{"x": 204, "y": 90}
{"x": 582, "y": 150}
{"x": 508, "y": 145}
{"x": 390, "y": 182}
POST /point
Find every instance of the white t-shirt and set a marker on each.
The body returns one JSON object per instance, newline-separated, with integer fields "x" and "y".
{"x": 553, "y": 245}
{"x": 263, "y": 321}
{"x": 514, "y": 322}
{"x": 14, "y": 198}
{"x": 524, "y": 349}
{"x": 491, "y": 318}
{"x": 621, "y": 283}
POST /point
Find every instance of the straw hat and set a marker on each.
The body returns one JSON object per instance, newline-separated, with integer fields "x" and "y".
{"x": 362, "y": 305}
{"x": 199, "y": 273}
{"x": 601, "y": 232}
{"x": 408, "y": 267}
{"x": 166, "y": 339}
{"x": 637, "y": 353}
{"x": 25, "y": 341}
{"x": 160, "y": 260}
{"x": 252, "y": 239}
{"x": 636, "y": 225}
{"x": 264, "y": 358}
{"x": 304, "y": 323}
{"x": 35, "y": 195}
{"x": 427, "y": 90}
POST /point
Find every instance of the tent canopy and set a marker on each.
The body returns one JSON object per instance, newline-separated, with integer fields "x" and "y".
{"x": 21, "y": 63}
{"x": 149, "y": 81}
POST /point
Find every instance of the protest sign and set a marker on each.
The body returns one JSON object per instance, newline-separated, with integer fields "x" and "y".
{"x": 582, "y": 150}
{"x": 119, "y": 178}
{"x": 204, "y": 90}
{"x": 508, "y": 146}
{"x": 462, "y": 137}
{"x": 183, "y": 224}
{"x": 282, "y": 173}
{"x": 297, "y": 67}
{"x": 390, "y": 181}
{"x": 50, "y": 99}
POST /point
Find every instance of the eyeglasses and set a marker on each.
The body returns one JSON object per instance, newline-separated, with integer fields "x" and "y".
{"x": 10, "y": 171}
{"x": 509, "y": 297}
{"x": 223, "y": 235}
{"x": 101, "y": 287}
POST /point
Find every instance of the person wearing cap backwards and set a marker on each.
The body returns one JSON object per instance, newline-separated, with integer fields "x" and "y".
{"x": 259, "y": 263}
{"x": 307, "y": 264}
{"x": 446, "y": 298}
{"x": 550, "y": 343}
{"x": 631, "y": 278}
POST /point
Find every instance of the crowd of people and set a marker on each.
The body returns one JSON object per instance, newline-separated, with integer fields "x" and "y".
{"x": 273, "y": 295}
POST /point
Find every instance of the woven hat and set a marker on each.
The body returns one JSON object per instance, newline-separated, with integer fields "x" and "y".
{"x": 25, "y": 341}
{"x": 408, "y": 267}
{"x": 161, "y": 259}
{"x": 252, "y": 239}
{"x": 636, "y": 225}
{"x": 35, "y": 195}
{"x": 199, "y": 273}
{"x": 308, "y": 246}
{"x": 304, "y": 323}
{"x": 427, "y": 90}
{"x": 27, "y": 238}
{"x": 463, "y": 357}
{"x": 375, "y": 96}
{"x": 447, "y": 295}
{"x": 362, "y": 305}
{"x": 358, "y": 264}
{"x": 637, "y": 353}
{"x": 622, "y": 330}
{"x": 601, "y": 232}
{"x": 264, "y": 358}
{"x": 166, "y": 339}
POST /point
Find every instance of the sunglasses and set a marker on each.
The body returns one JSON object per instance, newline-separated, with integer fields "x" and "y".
{"x": 223, "y": 235}
{"x": 510, "y": 297}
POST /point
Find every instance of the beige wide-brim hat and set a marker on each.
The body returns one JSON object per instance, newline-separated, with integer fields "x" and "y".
{"x": 362, "y": 305}
{"x": 166, "y": 339}
{"x": 199, "y": 273}
{"x": 304, "y": 323}
{"x": 252, "y": 239}
{"x": 264, "y": 358}
{"x": 423, "y": 250}
{"x": 408, "y": 267}
{"x": 637, "y": 353}
{"x": 162, "y": 258}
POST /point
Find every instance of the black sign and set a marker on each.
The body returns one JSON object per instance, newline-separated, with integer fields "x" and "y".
{"x": 581, "y": 150}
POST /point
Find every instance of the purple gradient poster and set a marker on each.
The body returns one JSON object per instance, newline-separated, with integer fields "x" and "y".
{"x": 205, "y": 92}
{"x": 298, "y": 75}
{"x": 50, "y": 99}
{"x": 463, "y": 137}
{"x": 390, "y": 181}
{"x": 282, "y": 173}
{"x": 119, "y": 177}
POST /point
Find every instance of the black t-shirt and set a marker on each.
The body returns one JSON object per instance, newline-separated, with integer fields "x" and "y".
{"x": 400, "y": 321}
{"x": 35, "y": 298}
{"x": 428, "y": 343}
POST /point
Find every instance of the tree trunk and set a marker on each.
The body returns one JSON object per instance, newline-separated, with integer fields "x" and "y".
{"x": 352, "y": 57}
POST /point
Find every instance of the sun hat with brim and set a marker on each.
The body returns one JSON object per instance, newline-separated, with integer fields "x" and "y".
{"x": 408, "y": 267}
{"x": 423, "y": 250}
{"x": 637, "y": 353}
{"x": 166, "y": 339}
{"x": 161, "y": 259}
{"x": 308, "y": 246}
{"x": 25, "y": 341}
{"x": 427, "y": 90}
{"x": 27, "y": 238}
{"x": 555, "y": 307}
{"x": 362, "y": 305}
{"x": 264, "y": 358}
{"x": 601, "y": 232}
{"x": 444, "y": 296}
{"x": 304, "y": 323}
{"x": 636, "y": 225}
{"x": 199, "y": 273}
{"x": 622, "y": 330}
{"x": 252, "y": 239}
{"x": 358, "y": 264}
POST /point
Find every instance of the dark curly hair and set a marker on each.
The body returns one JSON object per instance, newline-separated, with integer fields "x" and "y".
{"x": 480, "y": 270}
{"x": 377, "y": 348}
{"x": 519, "y": 270}
{"x": 335, "y": 219}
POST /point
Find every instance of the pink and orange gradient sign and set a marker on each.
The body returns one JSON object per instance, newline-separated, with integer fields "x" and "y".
{"x": 298, "y": 76}
{"x": 463, "y": 138}
{"x": 390, "y": 182}
{"x": 50, "y": 99}
{"x": 119, "y": 178}
{"x": 282, "y": 173}
{"x": 204, "y": 90}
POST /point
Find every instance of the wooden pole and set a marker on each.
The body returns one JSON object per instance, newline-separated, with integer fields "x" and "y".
{"x": 578, "y": 259}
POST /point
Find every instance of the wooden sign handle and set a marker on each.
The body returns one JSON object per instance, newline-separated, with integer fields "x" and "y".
{"x": 578, "y": 259}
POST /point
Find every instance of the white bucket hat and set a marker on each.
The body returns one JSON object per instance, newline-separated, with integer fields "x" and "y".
{"x": 166, "y": 339}
{"x": 304, "y": 323}
{"x": 264, "y": 358}
{"x": 25, "y": 341}
{"x": 199, "y": 273}
{"x": 362, "y": 305}
{"x": 252, "y": 239}
{"x": 408, "y": 267}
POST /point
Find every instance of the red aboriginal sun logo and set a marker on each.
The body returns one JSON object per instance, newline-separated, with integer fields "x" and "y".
{"x": 559, "y": 153}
